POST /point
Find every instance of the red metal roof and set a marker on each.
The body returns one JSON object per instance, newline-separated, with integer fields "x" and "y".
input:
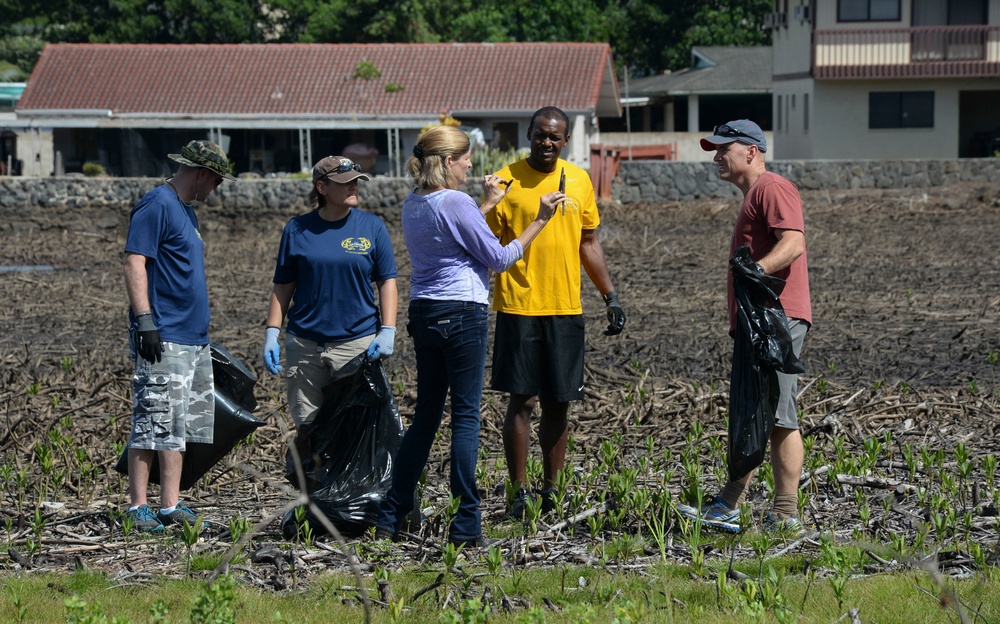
{"x": 315, "y": 79}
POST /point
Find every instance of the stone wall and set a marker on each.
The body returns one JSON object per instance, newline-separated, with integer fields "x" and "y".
{"x": 658, "y": 181}
{"x": 638, "y": 181}
{"x": 246, "y": 199}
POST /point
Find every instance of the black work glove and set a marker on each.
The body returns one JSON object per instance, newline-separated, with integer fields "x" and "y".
{"x": 147, "y": 339}
{"x": 616, "y": 316}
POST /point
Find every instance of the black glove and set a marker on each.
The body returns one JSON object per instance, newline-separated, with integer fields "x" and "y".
{"x": 616, "y": 316}
{"x": 147, "y": 342}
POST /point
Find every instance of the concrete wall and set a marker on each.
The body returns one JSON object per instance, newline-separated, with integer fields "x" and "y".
{"x": 639, "y": 181}
{"x": 839, "y": 120}
{"x": 792, "y": 139}
{"x": 788, "y": 42}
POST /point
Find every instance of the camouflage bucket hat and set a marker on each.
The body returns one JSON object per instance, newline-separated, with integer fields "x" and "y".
{"x": 208, "y": 155}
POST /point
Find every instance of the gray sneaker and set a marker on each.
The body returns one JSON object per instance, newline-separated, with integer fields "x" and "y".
{"x": 178, "y": 515}
{"x": 143, "y": 519}
{"x": 715, "y": 514}
{"x": 790, "y": 526}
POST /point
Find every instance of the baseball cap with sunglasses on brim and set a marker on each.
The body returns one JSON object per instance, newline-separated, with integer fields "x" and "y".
{"x": 739, "y": 131}
{"x": 338, "y": 169}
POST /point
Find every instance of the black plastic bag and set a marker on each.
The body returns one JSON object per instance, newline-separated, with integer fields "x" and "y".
{"x": 759, "y": 311}
{"x": 234, "y": 402}
{"x": 763, "y": 346}
{"x": 352, "y": 443}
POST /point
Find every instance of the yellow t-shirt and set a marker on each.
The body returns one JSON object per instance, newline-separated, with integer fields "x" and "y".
{"x": 547, "y": 280}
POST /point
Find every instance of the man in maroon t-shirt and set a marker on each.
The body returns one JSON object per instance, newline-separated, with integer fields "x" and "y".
{"x": 770, "y": 223}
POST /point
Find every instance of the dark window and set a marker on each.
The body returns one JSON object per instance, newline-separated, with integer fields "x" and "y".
{"x": 907, "y": 109}
{"x": 805, "y": 112}
{"x": 868, "y": 10}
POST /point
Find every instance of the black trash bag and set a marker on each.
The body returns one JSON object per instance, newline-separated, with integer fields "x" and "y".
{"x": 234, "y": 402}
{"x": 763, "y": 346}
{"x": 349, "y": 449}
{"x": 758, "y": 307}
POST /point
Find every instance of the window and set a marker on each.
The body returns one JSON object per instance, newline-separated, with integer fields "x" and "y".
{"x": 868, "y": 10}
{"x": 779, "y": 114}
{"x": 805, "y": 112}
{"x": 906, "y": 109}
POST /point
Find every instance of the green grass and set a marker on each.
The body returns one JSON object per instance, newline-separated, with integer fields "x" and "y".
{"x": 580, "y": 594}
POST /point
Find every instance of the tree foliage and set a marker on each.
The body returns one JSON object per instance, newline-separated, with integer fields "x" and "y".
{"x": 645, "y": 35}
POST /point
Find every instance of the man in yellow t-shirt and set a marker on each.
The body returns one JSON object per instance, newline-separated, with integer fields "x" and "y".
{"x": 539, "y": 342}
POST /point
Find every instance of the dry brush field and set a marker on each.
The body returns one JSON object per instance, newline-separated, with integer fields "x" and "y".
{"x": 900, "y": 390}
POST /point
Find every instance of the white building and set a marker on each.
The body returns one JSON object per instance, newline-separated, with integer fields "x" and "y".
{"x": 886, "y": 78}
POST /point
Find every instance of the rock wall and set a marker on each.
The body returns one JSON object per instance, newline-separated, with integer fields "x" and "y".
{"x": 245, "y": 199}
{"x": 639, "y": 181}
{"x": 658, "y": 181}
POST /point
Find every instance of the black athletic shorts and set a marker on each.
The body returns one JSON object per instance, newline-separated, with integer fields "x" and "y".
{"x": 539, "y": 356}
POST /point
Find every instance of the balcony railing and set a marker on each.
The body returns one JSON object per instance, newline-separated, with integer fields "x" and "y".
{"x": 918, "y": 52}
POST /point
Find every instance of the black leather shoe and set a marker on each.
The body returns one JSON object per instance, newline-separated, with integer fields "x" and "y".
{"x": 478, "y": 542}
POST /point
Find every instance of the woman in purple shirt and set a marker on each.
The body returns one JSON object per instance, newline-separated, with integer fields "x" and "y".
{"x": 451, "y": 250}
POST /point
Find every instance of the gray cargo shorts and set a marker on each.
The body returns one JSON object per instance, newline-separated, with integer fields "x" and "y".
{"x": 173, "y": 400}
{"x": 787, "y": 413}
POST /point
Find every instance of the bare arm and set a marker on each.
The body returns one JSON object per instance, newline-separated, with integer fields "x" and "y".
{"x": 388, "y": 300}
{"x": 281, "y": 297}
{"x": 136, "y": 283}
{"x": 594, "y": 262}
{"x": 791, "y": 244}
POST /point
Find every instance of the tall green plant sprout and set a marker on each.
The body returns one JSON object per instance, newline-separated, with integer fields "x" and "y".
{"x": 488, "y": 159}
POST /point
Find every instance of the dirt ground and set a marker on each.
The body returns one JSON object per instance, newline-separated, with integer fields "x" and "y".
{"x": 905, "y": 297}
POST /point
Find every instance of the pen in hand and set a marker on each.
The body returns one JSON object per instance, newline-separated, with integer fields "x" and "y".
{"x": 562, "y": 188}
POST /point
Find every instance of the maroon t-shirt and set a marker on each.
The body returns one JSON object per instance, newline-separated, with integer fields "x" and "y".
{"x": 773, "y": 203}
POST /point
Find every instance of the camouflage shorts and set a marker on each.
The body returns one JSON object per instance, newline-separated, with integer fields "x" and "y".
{"x": 174, "y": 399}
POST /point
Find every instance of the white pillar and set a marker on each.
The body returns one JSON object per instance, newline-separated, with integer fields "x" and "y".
{"x": 693, "y": 113}
{"x": 579, "y": 144}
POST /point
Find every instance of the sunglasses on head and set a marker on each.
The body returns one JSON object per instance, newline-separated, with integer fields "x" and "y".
{"x": 343, "y": 168}
{"x": 725, "y": 130}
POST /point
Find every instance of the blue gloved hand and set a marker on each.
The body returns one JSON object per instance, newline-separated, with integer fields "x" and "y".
{"x": 272, "y": 352}
{"x": 384, "y": 343}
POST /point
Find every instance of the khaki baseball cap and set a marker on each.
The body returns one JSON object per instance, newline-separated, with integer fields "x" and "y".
{"x": 339, "y": 169}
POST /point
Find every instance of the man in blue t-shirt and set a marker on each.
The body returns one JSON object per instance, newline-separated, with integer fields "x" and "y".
{"x": 173, "y": 387}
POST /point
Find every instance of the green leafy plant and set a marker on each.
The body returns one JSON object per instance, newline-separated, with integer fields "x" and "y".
{"x": 191, "y": 534}
{"x": 93, "y": 169}
{"x": 214, "y": 605}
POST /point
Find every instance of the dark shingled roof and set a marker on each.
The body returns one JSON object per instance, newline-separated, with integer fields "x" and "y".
{"x": 715, "y": 70}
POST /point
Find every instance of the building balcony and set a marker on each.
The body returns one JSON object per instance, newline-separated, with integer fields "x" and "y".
{"x": 918, "y": 52}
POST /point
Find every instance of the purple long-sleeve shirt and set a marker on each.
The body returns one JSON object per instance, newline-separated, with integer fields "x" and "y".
{"x": 451, "y": 247}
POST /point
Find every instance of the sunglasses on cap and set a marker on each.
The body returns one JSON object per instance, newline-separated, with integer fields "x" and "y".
{"x": 724, "y": 130}
{"x": 344, "y": 168}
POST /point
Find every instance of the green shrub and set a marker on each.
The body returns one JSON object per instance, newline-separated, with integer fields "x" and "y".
{"x": 92, "y": 169}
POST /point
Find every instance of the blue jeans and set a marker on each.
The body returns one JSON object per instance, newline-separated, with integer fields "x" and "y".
{"x": 449, "y": 338}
